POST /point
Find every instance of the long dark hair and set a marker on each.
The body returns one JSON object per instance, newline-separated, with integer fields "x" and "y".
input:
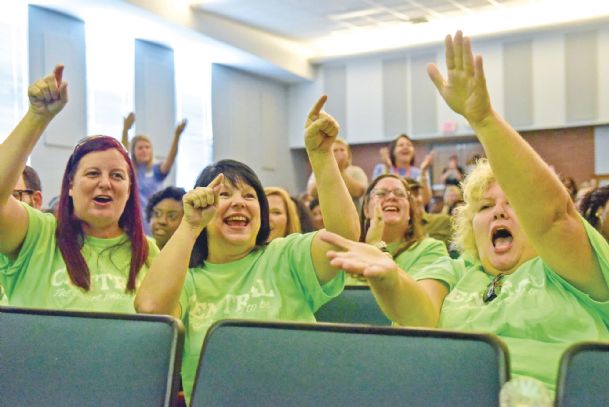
{"x": 69, "y": 233}
{"x": 592, "y": 202}
{"x": 234, "y": 172}
{"x": 414, "y": 234}
{"x": 394, "y": 143}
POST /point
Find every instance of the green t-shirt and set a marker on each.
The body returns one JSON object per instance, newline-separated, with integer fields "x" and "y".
{"x": 412, "y": 260}
{"x": 537, "y": 312}
{"x": 275, "y": 282}
{"x": 37, "y": 278}
{"x": 3, "y": 297}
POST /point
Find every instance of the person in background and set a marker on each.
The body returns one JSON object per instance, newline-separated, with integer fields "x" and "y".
{"x": 398, "y": 159}
{"x": 150, "y": 175}
{"x": 534, "y": 272}
{"x": 391, "y": 219}
{"x": 233, "y": 272}
{"x": 92, "y": 256}
{"x": 453, "y": 174}
{"x": 595, "y": 209}
{"x": 318, "y": 220}
{"x": 355, "y": 178}
{"x": 164, "y": 213}
{"x": 435, "y": 225}
{"x": 304, "y": 215}
{"x": 283, "y": 215}
{"x": 28, "y": 188}
{"x": 452, "y": 194}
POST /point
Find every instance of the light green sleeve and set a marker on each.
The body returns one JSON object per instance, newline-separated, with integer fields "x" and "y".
{"x": 40, "y": 236}
{"x": 447, "y": 270}
{"x": 297, "y": 248}
{"x": 426, "y": 252}
{"x": 600, "y": 250}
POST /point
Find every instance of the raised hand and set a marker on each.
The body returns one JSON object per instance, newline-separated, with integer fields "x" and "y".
{"x": 359, "y": 258}
{"x": 180, "y": 127}
{"x": 128, "y": 121}
{"x": 49, "y": 95}
{"x": 320, "y": 128}
{"x": 200, "y": 204}
{"x": 377, "y": 225}
{"x": 427, "y": 162}
{"x": 385, "y": 157}
{"x": 464, "y": 89}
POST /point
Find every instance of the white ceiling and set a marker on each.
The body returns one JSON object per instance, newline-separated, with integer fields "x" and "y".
{"x": 285, "y": 39}
{"x": 309, "y": 20}
{"x": 330, "y": 29}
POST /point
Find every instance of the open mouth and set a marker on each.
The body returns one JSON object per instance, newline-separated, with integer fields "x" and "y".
{"x": 501, "y": 238}
{"x": 236, "y": 221}
{"x": 102, "y": 199}
{"x": 391, "y": 208}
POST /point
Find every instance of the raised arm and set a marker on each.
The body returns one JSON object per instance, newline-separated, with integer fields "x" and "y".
{"x": 173, "y": 150}
{"x": 160, "y": 290}
{"x": 355, "y": 180}
{"x": 404, "y": 300}
{"x": 426, "y": 193}
{"x": 337, "y": 208}
{"x": 542, "y": 204}
{"x": 47, "y": 97}
{"x": 127, "y": 124}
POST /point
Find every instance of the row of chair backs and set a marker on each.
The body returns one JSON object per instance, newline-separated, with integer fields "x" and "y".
{"x": 61, "y": 358}
{"x": 355, "y": 305}
{"x": 293, "y": 364}
{"x": 90, "y": 359}
{"x": 583, "y": 377}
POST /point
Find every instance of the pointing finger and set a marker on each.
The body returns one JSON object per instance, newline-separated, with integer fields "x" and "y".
{"x": 58, "y": 73}
{"x": 314, "y": 113}
{"x": 216, "y": 181}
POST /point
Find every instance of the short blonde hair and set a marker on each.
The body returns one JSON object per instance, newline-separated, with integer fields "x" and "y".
{"x": 342, "y": 141}
{"x": 293, "y": 222}
{"x": 474, "y": 186}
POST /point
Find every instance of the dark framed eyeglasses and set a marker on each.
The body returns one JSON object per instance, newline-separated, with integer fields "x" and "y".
{"x": 493, "y": 289}
{"x": 18, "y": 193}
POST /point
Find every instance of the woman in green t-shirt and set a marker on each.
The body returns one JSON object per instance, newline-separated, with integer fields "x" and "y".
{"x": 89, "y": 257}
{"x": 533, "y": 271}
{"x": 390, "y": 219}
{"x": 233, "y": 272}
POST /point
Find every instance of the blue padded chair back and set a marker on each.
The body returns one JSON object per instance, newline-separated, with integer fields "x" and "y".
{"x": 355, "y": 305}
{"x": 583, "y": 377}
{"x": 64, "y": 358}
{"x": 292, "y": 364}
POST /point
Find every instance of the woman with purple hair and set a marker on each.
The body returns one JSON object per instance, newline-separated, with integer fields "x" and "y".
{"x": 93, "y": 255}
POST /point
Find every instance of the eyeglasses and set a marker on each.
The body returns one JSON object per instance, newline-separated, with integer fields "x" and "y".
{"x": 381, "y": 193}
{"x": 493, "y": 289}
{"x": 18, "y": 193}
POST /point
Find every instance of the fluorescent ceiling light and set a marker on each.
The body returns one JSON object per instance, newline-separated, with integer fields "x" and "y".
{"x": 501, "y": 19}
